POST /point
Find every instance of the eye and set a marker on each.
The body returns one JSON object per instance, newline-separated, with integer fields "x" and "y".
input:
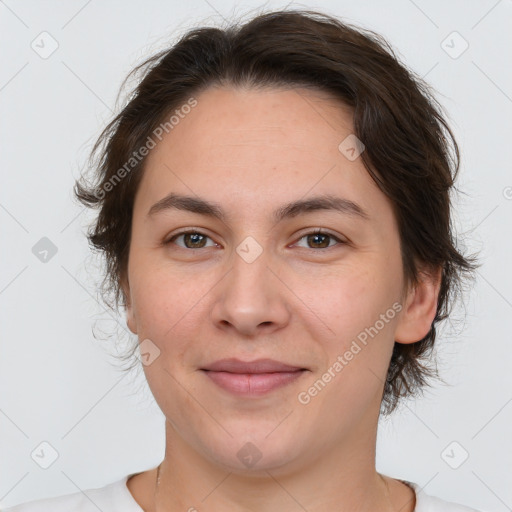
{"x": 320, "y": 239}
{"x": 192, "y": 239}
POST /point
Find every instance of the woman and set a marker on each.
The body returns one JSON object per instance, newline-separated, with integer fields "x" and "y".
{"x": 275, "y": 215}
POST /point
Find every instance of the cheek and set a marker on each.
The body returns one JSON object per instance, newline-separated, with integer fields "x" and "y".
{"x": 158, "y": 289}
{"x": 353, "y": 324}
{"x": 169, "y": 306}
{"x": 348, "y": 299}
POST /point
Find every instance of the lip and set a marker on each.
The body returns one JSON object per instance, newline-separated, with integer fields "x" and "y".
{"x": 233, "y": 365}
{"x": 252, "y": 378}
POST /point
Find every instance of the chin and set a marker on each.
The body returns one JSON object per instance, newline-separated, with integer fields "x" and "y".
{"x": 255, "y": 453}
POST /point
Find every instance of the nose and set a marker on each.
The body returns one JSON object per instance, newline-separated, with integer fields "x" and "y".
{"x": 251, "y": 298}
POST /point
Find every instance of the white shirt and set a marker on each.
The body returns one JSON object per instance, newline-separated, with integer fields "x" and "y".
{"x": 116, "y": 497}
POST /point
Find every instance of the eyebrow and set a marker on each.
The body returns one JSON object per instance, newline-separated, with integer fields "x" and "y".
{"x": 202, "y": 207}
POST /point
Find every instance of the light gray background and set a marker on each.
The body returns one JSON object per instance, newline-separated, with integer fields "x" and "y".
{"x": 60, "y": 385}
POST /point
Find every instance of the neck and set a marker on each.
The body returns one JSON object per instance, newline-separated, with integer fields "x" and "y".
{"x": 344, "y": 479}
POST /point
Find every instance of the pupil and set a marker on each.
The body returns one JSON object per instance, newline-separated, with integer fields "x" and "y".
{"x": 316, "y": 236}
{"x": 195, "y": 238}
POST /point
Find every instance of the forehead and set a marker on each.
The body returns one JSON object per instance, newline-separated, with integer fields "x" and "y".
{"x": 251, "y": 148}
{"x": 296, "y": 119}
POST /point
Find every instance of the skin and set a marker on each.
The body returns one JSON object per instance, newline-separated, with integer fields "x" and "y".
{"x": 299, "y": 303}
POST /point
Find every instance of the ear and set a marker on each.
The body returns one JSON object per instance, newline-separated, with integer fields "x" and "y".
{"x": 420, "y": 307}
{"x": 128, "y": 304}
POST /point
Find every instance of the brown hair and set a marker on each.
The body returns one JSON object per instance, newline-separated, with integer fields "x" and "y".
{"x": 410, "y": 151}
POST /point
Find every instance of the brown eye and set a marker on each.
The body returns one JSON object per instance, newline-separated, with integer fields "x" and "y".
{"x": 320, "y": 240}
{"x": 191, "y": 240}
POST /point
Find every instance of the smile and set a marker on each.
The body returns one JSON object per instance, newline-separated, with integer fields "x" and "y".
{"x": 252, "y": 384}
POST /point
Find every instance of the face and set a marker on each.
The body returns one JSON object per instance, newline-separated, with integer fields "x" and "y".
{"x": 303, "y": 288}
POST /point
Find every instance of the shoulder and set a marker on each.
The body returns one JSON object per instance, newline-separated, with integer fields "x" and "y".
{"x": 110, "y": 498}
{"x": 428, "y": 503}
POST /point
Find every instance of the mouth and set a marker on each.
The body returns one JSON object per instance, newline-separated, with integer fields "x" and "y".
{"x": 252, "y": 378}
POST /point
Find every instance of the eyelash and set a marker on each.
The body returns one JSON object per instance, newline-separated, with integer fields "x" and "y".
{"x": 314, "y": 232}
